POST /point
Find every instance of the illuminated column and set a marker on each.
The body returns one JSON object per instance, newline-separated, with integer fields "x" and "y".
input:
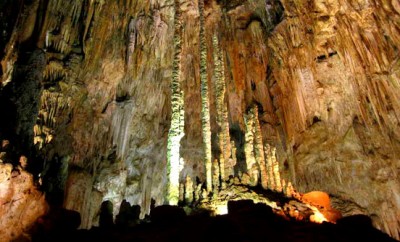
{"x": 176, "y": 131}
{"x": 274, "y": 181}
{"x": 259, "y": 150}
{"x": 252, "y": 169}
{"x": 277, "y": 175}
{"x": 283, "y": 182}
{"x": 269, "y": 166}
{"x": 205, "y": 105}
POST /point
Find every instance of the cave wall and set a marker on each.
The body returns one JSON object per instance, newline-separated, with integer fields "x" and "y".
{"x": 321, "y": 79}
{"x": 334, "y": 85}
{"x": 102, "y": 127}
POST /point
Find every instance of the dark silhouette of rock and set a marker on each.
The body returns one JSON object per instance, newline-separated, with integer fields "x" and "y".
{"x": 167, "y": 214}
{"x": 128, "y": 215}
{"x": 237, "y": 207}
{"x": 106, "y": 215}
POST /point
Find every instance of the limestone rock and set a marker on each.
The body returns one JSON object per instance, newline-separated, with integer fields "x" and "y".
{"x": 21, "y": 203}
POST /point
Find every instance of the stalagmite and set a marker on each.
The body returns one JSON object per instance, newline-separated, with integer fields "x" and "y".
{"x": 284, "y": 186}
{"x": 277, "y": 175}
{"x": 222, "y": 171}
{"x": 234, "y": 158}
{"x": 226, "y": 146}
{"x": 176, "y": 131}
{"x": 205, "y": 105}
{"x": 188, "y": 190}
{"x": 216, "y": 176}
{"x": 181, "y": 192}
{"x": 197, "y": 192}
{"x": 259, "y": 149}
{"x": 269, "y": 166}
{"x": 290, "y": 192}
{"x": 252, "y": 168}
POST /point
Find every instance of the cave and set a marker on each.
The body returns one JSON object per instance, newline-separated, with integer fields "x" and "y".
{"x": 199, "y": 120}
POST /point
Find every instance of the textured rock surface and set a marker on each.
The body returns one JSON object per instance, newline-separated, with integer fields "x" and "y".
{"x": 20, "y": 203}
{"x": 335, "y": 94}
{"x": 318, "y": 80}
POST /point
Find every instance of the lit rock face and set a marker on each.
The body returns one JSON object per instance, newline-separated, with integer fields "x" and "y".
{"x": 317, "y": 80}
{"x": 20, "y": 203}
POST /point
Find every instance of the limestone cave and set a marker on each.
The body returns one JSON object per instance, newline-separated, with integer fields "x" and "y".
{"x": 199, "y": 120}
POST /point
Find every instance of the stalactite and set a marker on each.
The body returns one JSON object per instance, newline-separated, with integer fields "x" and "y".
{"x": 131, "y": 41}
{"x": 53, "y": 106}
{"x": 251, "y": 163}
{"x": 176, "y": 131}
{"x": 205, "y": 105}
{"x": 54, "y": 71}
{"x": 120, "y": 127}
{"x": 259, "y": 150}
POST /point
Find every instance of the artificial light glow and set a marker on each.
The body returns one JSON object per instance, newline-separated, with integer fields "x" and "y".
{"x": 317, "y": 217}
{"x": 174, "y": 166}
{"x": 221, "y": 209}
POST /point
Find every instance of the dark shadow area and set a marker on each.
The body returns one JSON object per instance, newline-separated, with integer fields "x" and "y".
{"x": 237, "y": 135}
{"x": 246, "y": 221}
{"x": 106, "y": 215}
{"x": 128, "y": 215}
{"x": 20, "y": 101}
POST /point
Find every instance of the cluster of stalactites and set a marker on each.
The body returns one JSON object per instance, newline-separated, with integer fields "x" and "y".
{"x": 53, "y": 105}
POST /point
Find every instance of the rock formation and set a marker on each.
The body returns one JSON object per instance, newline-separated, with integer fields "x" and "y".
{"x": 21, "y": 203}
{"x": 169, "y": 100}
